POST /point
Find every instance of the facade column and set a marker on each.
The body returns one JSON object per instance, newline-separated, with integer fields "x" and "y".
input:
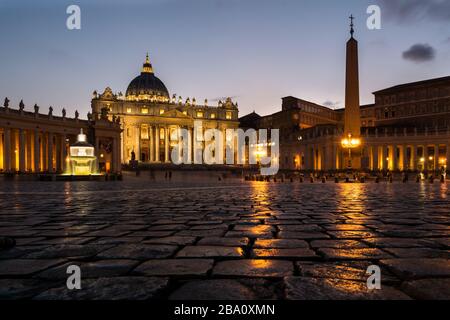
{"x": 115, "y": 153}
{"x": 37, "y": 148}
{"x": 7, "y": 150}
{"x": 333, "y": 157}
{"x": 404, "y": 158}
{"x": 448, "y": 157}
{"x": 375, "y": 166}
{"x": 157, "y": 158}
{"x": 436, "y": 157}
{"x": 413, "y": 161}
{"x": 151, "y": 144}
{"x": 50, "y": 153}
{"x": 166, "y": 143}
{"x": 383, "y": 156}
{"x": 395, "y": 165}
{"x": 137, "y": 148}
{"x": 21, "y": 150}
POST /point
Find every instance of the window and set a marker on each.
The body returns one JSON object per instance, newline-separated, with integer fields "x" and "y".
{"x": 128, "y": 110}
{"x": 144, "y": 110}
{"x": 213, "y": 115}
{"x": 228, "y": 115}
{"x": 161, "y": 111}
{"x": 185, "y": 112}
{"x": 199, "y": 114}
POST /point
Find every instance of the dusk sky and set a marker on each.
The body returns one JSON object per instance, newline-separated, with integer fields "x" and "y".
{"x": 256, "y": 51}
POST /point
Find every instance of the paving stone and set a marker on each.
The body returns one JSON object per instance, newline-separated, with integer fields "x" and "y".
{"x": 64, "y": 241}
{"x": 22, "y": 288}
{"x": 138, "y": 252}
{"x": 397, "y": 242}
{"x": 210, "y": 252}
{"x": 67, "y": 251}
{"x": 179, "y": 241}
{"x": 419, "y": 253}
{"x": 25, "y": 267}
{"x": 353, "y": 254}
{"x": 418, "y": 268}
{"x": 95, "y": 269}
{"x": 345, "y": 227}
{"x": 352, "y": 234}
{"x": 302, "y": 235}
{"x": 303, "y": 288}
{"x": 117, "y": 288}
{"x": 350, "y": 270}
{"x": 338, "y": 244}
{"x": 213, "y": 290}
{"x": 249, "y": 234}
{"x": 254, "y": 268}
{"x": 280, "y": 244}
{"x": 225, "y": 242}
{"x": 428, "y": 289}
{"x": 175, "y": 267}
{"x": 299, "y": 253}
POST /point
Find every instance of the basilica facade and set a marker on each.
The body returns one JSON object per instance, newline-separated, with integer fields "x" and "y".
{"x": 150, "y": 117}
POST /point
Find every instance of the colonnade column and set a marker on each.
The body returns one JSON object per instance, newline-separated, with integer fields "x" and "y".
{"x": 1, "y": 151}
{"x": 190, "y": 145}
{"x": 7, "y": 150}
{"x": 21, "y": 150}
{"x": 166, "y": 144}
{"x": 37, "y": 149}
{"x": 50, "y": 153}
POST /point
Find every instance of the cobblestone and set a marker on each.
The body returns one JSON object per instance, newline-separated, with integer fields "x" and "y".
{"x": 140, "y": 239}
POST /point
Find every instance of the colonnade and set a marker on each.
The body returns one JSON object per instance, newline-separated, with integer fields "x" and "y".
{"x": 23, "y": 150}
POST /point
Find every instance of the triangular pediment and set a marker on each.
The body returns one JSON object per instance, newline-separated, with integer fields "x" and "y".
{"x": 175, "y": 114}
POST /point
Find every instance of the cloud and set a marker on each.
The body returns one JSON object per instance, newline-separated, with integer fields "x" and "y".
{"x": 331, "y": 104}
{"x": 420, "y": 53}
{"x": 404, "y": 11}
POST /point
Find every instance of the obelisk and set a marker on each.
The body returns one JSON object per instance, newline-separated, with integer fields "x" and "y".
{"x": 352, "y": 121}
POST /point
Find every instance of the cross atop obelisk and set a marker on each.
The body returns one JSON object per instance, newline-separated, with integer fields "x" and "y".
{"x": 352, "y": 31}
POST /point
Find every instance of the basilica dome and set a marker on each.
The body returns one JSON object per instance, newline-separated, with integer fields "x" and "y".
{"x": 147, "y": 86}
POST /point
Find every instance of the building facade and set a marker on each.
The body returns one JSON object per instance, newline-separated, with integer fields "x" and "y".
{"x": 150, "y": 117}
{"x": 406, "y": 129}
{"x": 32, "y": 142}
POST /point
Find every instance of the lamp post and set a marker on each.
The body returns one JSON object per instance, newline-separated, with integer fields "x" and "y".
{"x": 350, "y": 143}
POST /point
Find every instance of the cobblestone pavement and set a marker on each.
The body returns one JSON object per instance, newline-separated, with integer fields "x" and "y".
{"x": 139, "y": 239}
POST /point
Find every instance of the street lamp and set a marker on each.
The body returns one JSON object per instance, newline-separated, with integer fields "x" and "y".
{"x": 350, "y": 143}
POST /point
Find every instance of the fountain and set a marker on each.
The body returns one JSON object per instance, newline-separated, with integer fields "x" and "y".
{"x": 81, "y": 160}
